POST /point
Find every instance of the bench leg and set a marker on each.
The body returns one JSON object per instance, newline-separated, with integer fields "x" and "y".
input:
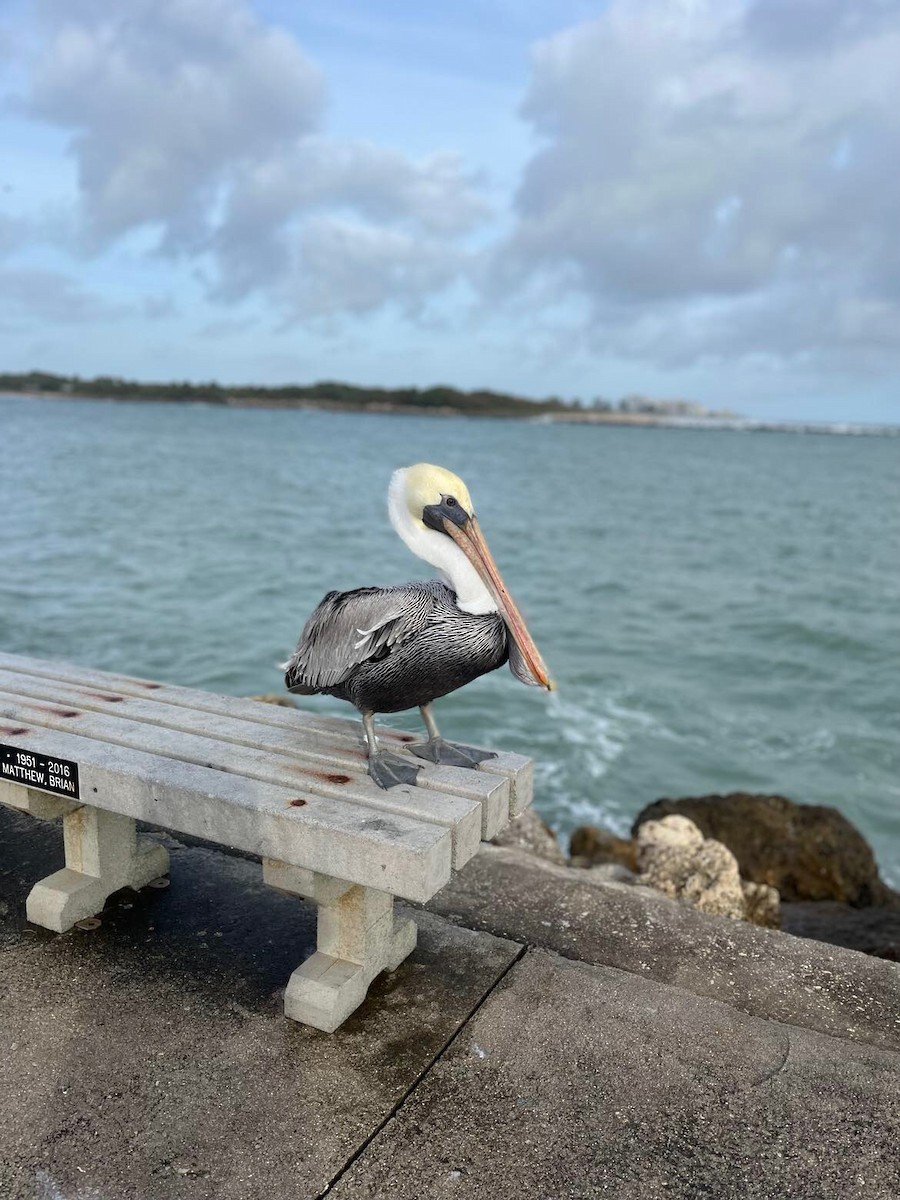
{"x": 41, "y": 805}
{"x": 358, "y": 938}
{"x": 103, "y": 854}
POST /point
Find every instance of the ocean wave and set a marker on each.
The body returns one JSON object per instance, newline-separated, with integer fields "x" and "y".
{"x": 585, "y": 735}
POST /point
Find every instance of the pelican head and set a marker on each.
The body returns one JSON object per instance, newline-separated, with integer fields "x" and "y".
{"x": 432, "y": 511}
{"x": 426, "y": 486}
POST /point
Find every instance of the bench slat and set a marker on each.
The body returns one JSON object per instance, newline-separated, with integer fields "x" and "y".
{"x": 323, "y": 751}
{"x": 518, "y": 769}
{"x": 514, "y": 767}
{"x": 462, "y": 817}
{"x": 384, "y": 850}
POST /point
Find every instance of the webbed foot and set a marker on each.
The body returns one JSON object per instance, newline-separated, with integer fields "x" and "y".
{"x": 390, "y": 770}
{"x": 450, "y": 754}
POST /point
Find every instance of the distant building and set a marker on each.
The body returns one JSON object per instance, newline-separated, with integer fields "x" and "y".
{"x": 648, "y": 406}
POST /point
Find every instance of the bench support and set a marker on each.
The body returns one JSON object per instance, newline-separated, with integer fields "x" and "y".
{"x": 358, "y": 938}
{"x": 103, "y": 854}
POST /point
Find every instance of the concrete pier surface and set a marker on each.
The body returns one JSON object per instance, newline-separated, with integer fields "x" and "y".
{"x": 545, "y": 1040}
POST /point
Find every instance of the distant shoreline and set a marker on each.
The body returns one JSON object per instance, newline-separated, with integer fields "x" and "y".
{"x": 512, "y": 408}
{"x": 331, "y": 395}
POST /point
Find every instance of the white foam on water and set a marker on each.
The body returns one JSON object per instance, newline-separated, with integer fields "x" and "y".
{"x": 582, "y": 738}
{"x": 648, "y": 723}
{"x": 597, "y": 740}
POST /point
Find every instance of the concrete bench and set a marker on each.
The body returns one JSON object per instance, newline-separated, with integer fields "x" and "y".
{"x": 104, "y": 751}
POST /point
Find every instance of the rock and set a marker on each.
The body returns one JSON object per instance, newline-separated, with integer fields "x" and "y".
{"x": 637, "y": 930}
{"x": 874, "y": 931}
{"x": 674, "y": 857}
{"x": 762, "y": 904}
{"x": 804, "y": 851}
{"x": 531, "y": 833}
{"x": 590, "y": 845}
{"x": 275, "y": 698}
{"x": 610, "y": 872}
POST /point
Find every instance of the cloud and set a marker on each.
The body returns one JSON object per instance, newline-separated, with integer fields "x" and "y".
{"x": 715, "y": 180}
{"x": 158, "y": 307}
{"x": 350, "y": 226}
{"x": 227, "y": 328}
{"x": 196, "y": 119}
{"x": 13, "y": 232}
{"x": 51, "y": 296}
{"x": 167, "y": 100}
{"x": 355, "y": 269}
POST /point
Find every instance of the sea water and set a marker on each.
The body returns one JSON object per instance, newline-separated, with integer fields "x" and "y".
{"x": 720, "y": 609}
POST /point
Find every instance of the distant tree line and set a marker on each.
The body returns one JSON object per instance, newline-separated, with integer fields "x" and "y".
{"x": 328, "y": 394}
{"x": 113, "y": 387}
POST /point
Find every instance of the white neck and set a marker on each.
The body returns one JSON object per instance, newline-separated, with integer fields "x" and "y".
{"x": 439, "y": 550}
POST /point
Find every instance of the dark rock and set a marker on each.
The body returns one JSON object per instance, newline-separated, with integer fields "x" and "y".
{"x": 531, "y": 833}
{"x": 874, "y": 931}
{"x": 590, "y": 845}
{"x": 804, "y": 851}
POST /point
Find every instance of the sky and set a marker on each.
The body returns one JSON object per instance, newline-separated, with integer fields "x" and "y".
{"x": 682, "y": 198}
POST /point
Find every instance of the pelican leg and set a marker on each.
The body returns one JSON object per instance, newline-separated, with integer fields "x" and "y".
{"x": 448, "y": 754}
{"x": 386, "y": 768}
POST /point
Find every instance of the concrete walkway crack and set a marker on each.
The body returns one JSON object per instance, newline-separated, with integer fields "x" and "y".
{"x": 364, "y": 1145}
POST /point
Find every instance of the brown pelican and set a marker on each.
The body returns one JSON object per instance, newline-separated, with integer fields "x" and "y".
{"x": 392, "y": 648}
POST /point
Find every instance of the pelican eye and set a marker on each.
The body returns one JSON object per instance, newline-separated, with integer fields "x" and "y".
{"x": 448, "y": 508}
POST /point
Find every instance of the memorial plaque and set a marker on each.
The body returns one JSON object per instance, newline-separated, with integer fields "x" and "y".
{"x": 42, "y": 772}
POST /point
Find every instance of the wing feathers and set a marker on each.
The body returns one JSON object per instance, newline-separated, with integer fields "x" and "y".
{"x": 350, "y": 628}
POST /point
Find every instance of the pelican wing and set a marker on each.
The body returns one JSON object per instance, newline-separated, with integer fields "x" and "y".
{"x": 350, "y": 628}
